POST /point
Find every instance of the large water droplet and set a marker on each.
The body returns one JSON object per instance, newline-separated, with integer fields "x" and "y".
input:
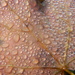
{"x": 3, "y": 3}
{"x": 16, "y": 38}
{"x": 5, "y": 45}
{"x": 9, "y": 69}
{"x": 16, "y": 1}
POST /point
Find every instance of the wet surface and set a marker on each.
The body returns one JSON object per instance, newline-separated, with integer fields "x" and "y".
{"x": 39, "y": 38}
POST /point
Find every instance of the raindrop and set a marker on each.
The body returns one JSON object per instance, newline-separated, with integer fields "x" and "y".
{"x": 20, "y": 70}
{"x": 16, "y": 1}
{"x": 3, "y": 3}
{"x": 35, "y": 61}
{"x": 5, "y": 45}
{"x": 16, "y": 38}
{"x": 9, "y": 69}
{"x": 47, "y": 41}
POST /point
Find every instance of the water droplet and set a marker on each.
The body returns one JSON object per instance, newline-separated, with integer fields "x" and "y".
{"x": 30, "y": 27}
{"x": 46, "y": 36}
{"x": 18, "y": 58}
{"x": 46, "y": 26}
{"x": 24, "y": 28}
{"x": 16, "y": 38}
{"x": 70, "y": 29}
{"x": 9, "y": 69}
{"x": 20, "y": 70}
{"x": 70, "y": 14}
{"x": 6, "y": 0}
{"x": 10, "y": 26}
{"x": 47, "y": 41}
{"x": 25, "y": 56}
{"x": 16, "y": 1}
{"x": 16, "y": 17}
{"x": 5, "y": 45}
{"x": 30, "y": 48}
{"x": 14, "y": 52}
{"x": 22, "y": 39}
{"x": 30, "y": 42}
{"x": 9, "y": 57}
{"x": 35, "y": 61}
{"x": 27, "y": 3}
{"x": 3, "y": 3}
{"x": 40, "y": 26}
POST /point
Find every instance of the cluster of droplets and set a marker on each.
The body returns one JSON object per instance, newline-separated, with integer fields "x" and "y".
{"x": 30, "y": 37}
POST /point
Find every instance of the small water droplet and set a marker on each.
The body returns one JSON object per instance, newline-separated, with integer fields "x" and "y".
{"x": 70, "y": 14}
{"x": 35, "y": 61}
{"x": 30, "y": 48}
{"x": 41, "y": 71}
{"x": 18, "y": 58}
{"x": 27, "y": 3}
{"x": 16, "y": 17}
{"x": 16, "y": 38}
{"x": 10, "y": 26}
{"x": 20, "y": 70}
{"x": 43, "y": 59}
{"x": 16, "y": 1}
{"x": 2, "y": 57}
{"x": 25, "y": 56}
{"x": 40, "y": 27}
{"x": 22, "y": 39}
{"x": 14, "y": 52}
{"x": 46, "y": 36}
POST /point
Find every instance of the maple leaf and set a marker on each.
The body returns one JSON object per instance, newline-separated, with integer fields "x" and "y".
{"x": 37, "y": 37}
